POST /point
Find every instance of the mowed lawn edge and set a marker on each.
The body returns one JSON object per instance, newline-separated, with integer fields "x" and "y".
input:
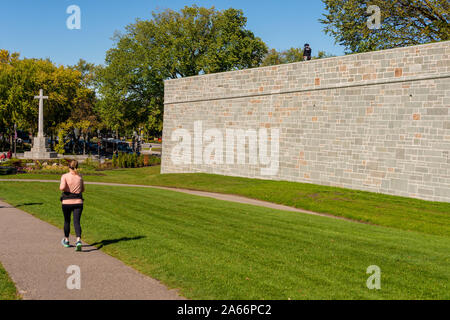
{"x": 212, "y": 249}
{"x": 8, "y": 289}
{"x": 385, "y": 210}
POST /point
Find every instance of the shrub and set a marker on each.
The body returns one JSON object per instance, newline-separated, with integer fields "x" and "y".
{"x": 154, "y": 160}
{"x": 130, "y": 160}
{"x": 90, "y": 164}
{"x": 59, "y": 147}
{"x": 114, "y": 161}
{"x": 122, "y": 160}
{"x": 108, "y": 165}
{"x": 13, "y": 162}
{"x": 7, "y": 170}
{"x": 140, "y": 161}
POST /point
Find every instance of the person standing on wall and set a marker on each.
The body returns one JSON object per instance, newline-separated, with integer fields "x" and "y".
{"x": 307, "y": 52}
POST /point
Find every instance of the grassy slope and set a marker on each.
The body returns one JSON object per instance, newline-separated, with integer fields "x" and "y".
{"x": 219, "y": 250}
{"x": 7, "y": 288}
{"x": 398, "y": 212}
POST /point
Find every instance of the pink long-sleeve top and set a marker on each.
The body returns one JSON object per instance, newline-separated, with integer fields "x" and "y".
{"x": 72, "y": 183}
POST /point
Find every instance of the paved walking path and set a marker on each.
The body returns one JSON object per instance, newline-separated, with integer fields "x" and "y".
{"x": 31, "y": 253}
{"x": 218, "y": 196}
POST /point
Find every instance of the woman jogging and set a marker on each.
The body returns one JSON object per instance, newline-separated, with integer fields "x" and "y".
{"x": 72, "y": 186}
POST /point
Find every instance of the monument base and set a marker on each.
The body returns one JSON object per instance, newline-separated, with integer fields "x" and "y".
{"x": 40, "y": 150}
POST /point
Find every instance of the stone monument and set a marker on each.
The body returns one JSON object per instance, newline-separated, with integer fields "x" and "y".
{"x": 40, "y": 148}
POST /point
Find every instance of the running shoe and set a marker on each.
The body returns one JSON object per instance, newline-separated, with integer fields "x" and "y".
{"x": 65, "y": 243}
{"x": 78, "y": 246}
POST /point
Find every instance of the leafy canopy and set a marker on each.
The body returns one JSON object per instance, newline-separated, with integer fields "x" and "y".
{"x": 171, "y": 45}
{"x": 20, "y": 81}
{"x": 403, "y": 23}
{"x": 291, "y": 55}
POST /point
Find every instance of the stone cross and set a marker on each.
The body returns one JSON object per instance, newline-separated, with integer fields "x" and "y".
{"x": 41, "y": 98}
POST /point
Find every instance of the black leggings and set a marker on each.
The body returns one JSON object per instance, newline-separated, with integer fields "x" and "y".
{"x": 77, "y": 210}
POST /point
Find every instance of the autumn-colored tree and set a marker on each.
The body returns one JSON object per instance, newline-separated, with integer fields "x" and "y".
{"x": 20, "y": 81}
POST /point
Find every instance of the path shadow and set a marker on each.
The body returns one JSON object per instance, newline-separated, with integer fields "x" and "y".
{"x": 22, "y": 205}
{"x": 30, "y": 204}
{"x": 98, "y": 245}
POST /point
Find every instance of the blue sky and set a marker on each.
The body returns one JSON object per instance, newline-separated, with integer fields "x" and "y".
{"x": 37, "y": 28}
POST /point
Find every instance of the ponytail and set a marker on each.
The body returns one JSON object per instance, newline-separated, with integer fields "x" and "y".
{"x": 73, "y": 165}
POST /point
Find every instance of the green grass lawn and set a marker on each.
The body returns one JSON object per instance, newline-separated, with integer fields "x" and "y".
{"x": 7, "y": 288}
{"x": 213, "y": 249}
{"x": 391, "y": 211}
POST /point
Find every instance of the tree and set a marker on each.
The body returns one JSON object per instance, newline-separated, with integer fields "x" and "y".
{"x": 273, "y": 58}
{"x": 20, "y": 81}
{"x": 7, "y": 113}
{"x": 323, "y": 55}
{"x": 87, "y": 71}
{"x": 291, "y": 55}
{"x": 173, "y": 44}
{"x": 63, "y": 130}
{"x": 403, "y": 23}
{"x": 83, "y": 114}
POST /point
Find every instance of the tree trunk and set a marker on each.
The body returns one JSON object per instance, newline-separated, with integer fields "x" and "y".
{"x": 11, "y": 142}
{"x": 84, "y": 145}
